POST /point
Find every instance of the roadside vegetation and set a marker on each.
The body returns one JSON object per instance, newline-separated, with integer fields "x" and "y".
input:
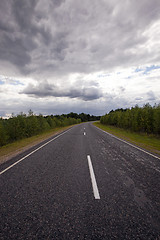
{"x": 140, "y": 126}
{"x": 22, "y": 131}
{"x": 24, "y": 126}
{"x": 142, "y": 120}
{"x": 12, "y": 149}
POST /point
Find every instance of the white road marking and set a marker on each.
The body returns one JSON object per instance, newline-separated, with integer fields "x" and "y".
{"x": 93, "y": 179}
{"x": 106, "y": 171}
{"x": 84, "y": 133}
{"x": 129, "y": 144}
{"x": 156, "y": 169}
{"x": 33, "y": 152}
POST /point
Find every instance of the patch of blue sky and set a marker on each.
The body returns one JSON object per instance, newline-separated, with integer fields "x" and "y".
{"x": 103, "y": 75}
{"x": 1, "y": 82}
{"x": 147, "y": 69}
{"x": 15, "y": 83}
{"x": 10, "y": 81}
{"x": 152, "y": 67}
{"x": 139, "y": 70}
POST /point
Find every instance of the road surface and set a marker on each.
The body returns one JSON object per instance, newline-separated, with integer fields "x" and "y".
{"x": 81, "y": 184}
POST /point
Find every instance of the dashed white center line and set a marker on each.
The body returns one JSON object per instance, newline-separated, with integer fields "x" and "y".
{"x": 84, "y": 133}
{"x": 93, "y": 179}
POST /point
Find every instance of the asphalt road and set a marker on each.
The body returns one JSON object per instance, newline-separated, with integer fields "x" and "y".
{"x": 83, "y": 184}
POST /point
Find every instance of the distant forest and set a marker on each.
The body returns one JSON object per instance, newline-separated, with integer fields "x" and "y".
{"x": 144, "y": 119}
{"x": 24, "y": 126}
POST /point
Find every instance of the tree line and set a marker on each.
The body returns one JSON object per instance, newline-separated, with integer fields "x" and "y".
{"x": 24, "y": 126}
{"x": 144, "y": 119}
{"x": 83, "y": 116}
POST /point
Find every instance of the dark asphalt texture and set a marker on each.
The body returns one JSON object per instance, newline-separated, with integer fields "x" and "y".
{"x": 49, "y": 195}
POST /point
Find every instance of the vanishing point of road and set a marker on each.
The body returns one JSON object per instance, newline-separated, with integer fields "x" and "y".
{"x": 81, "y": 184}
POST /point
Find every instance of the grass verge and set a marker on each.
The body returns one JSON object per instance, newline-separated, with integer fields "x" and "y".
{"x": 10, "y": 150}
{"x": 148, "y": 142}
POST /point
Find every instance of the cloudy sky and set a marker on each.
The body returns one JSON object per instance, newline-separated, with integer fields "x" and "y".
{"x": 92, "y": 56}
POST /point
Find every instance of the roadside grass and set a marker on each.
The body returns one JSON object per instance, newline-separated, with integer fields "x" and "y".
{"x": 10, "y": 150}
{"x": 148, "y": 142}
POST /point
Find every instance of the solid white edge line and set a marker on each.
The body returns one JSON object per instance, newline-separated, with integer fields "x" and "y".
{"x": 33, "y": 152}
{"x": 93, "y": 179}
{"x": 129, "y": 143}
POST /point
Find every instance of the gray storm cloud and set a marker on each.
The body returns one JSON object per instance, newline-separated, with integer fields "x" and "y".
{"x": 44, "y": 89}
{"x": 63, "y": 40}
{"x": 59, "y": 37}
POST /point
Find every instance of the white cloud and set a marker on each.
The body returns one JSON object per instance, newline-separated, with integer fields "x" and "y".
{"x": 84, "y": 50}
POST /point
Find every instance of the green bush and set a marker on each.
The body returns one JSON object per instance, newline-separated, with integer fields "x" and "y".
{"x": 145, "y": 119}
{"x": 23, "y": 126}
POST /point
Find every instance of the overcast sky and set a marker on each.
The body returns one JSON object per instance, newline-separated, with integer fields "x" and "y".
{"x": 92, "y": 56}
